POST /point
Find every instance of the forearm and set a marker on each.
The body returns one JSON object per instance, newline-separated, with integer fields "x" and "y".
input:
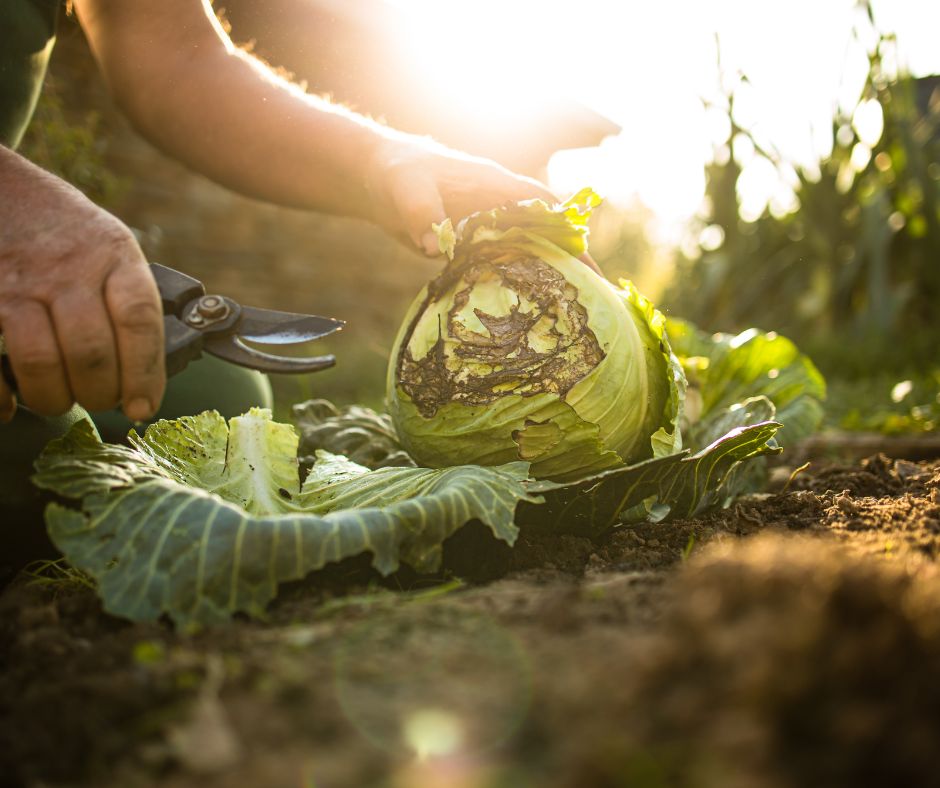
{"x": 22, "y": 184}
{"x": 190, "y": 91}
{"x": 226, "y": 115}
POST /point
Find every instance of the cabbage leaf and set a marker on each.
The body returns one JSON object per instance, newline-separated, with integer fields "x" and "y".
{"x": 200, "y": 519}
{"x": 728, "y": 369}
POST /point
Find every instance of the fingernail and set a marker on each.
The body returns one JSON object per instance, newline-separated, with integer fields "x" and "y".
{"x": 430, "y": 245}
{"x": 138, "y": 409}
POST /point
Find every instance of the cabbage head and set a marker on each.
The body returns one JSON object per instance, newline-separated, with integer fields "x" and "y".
{"x": 519, "y": 351}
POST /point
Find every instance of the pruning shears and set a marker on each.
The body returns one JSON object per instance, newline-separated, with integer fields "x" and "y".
{"x": 195, "y": 322}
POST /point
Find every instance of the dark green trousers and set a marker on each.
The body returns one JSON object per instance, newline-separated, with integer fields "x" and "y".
{"x": 207, "y": 384}
{"x": 27, "y": 35}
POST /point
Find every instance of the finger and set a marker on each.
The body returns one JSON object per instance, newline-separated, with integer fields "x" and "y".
{"x": 482, "y": 189}
{"x": 524, "y": 188}
{"x": 418, "y": 202}
{"x": 133, "y": 304}
{"x": 87, "y": 342}
{"x": 516, "y": 188}
{"x": 36, "y": 359}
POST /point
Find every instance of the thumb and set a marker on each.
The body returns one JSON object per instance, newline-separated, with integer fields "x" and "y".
{"x": 418, "y": 201}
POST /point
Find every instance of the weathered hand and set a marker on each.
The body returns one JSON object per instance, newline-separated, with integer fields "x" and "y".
{"x": 79, "y": 311}
{"x": 415, "y": 183}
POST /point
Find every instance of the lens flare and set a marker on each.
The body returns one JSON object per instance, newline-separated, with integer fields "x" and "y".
{"x": 433, "y": 733}
{"x": 432, "y": 682}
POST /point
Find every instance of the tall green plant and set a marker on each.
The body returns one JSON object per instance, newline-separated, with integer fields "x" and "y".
{"x": 853, "y": 273}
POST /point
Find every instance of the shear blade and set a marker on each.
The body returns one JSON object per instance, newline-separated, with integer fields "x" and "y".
{"x": 270, "y": 327}
{"x": 231, "y": 348}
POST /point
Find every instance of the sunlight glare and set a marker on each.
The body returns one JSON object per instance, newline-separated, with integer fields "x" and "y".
{"x": 869, "y": 122}
{"x": 433, "y": 733}
{"x": 619, "y": 170}
{"x": 757, "y": 182}
{"x": 479, "y": 53}
{"x": 648, "y": 66}
{"x": 861, "y": 155}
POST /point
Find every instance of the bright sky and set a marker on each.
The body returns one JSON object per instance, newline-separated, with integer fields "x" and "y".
{"x": 654, "y": 61}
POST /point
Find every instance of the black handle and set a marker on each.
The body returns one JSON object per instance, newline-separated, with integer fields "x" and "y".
{"x": 176, "y": 288}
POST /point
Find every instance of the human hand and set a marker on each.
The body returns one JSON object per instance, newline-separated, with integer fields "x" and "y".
{"x": 79, "y": 310}
{"x": 415, "y": 183}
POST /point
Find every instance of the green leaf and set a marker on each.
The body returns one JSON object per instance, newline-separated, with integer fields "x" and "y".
{"x": 79, "y": 464}
{"x": 668, "y": 438}
{"x": 727, "y": 370}
{"x": 201, "y": 519}
{"x": 359, "y": 433}
{"x": 327, "y": 471}
{"x": 505, "y": 437}
{"x": 565, "y": 225}
{"x": 679, "y": 485}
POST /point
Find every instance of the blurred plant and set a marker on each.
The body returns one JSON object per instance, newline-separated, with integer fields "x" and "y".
{"x": 70, "y": 145}
{"x": 850, "y": 273}
{"x": 884, "y": 404}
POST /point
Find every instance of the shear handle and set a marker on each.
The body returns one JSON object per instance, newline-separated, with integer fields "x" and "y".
{"x": 183, "y": 344}
{"x": 176, "y": 288}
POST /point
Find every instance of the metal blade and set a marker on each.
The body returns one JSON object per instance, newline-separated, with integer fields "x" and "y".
{"x": 270, "y": 327}
{"x": 231, "y": 348}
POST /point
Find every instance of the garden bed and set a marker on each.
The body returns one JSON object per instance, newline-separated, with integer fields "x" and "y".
{"x": 792, "y": 639}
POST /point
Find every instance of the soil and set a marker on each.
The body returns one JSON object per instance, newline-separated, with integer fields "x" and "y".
{"x": 790, "y": 640}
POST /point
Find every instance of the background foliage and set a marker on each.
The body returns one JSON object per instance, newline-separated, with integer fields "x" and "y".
{"x": 852, "y": 273}
{"x": 71, "y": 144}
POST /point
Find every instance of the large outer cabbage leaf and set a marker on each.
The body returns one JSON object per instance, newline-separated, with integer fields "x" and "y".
{"x": 671, "y": 487}
{"x": 200, "y": 519}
